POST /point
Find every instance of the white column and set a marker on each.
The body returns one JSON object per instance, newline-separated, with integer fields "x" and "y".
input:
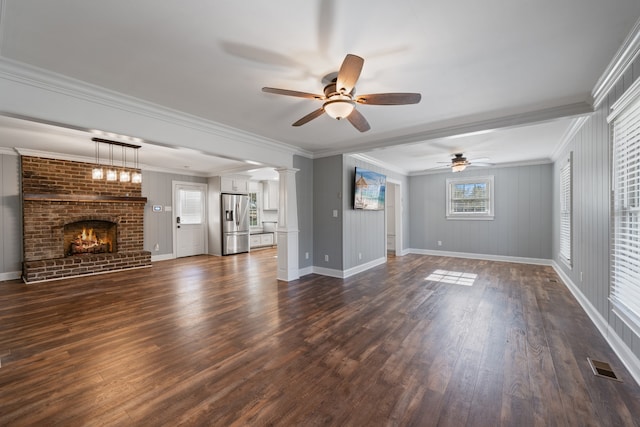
{"x": 288, "y": 226}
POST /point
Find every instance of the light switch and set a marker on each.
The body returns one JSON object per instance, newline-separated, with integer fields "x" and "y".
{"x": 335, "y": 213}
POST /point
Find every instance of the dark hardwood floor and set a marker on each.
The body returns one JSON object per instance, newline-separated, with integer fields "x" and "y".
{"x": 218, "y": 341}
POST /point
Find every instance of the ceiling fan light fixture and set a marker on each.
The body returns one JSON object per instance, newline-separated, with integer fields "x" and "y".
{"x": 339, "y": 106}
{"x": 458, "y": 167}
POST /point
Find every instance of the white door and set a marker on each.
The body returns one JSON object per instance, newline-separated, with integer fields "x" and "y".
{"x": 189, "y": 219}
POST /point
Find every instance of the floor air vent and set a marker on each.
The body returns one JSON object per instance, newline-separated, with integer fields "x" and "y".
{"x": 552, "y": 280}
{"x": 602, "y": 369}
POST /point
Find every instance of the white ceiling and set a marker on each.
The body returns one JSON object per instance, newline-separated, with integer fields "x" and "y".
{"x": 526, "y": 65}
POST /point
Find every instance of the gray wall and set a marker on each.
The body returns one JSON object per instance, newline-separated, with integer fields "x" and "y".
{"x": 353, "y": 232}
{"x": 591, "y": 209}
{"x": 304, "y": 191}
{"x": 10, "y": 216}
{"x": 522, "y": 226}
{"x": 157, "y": 187}
{"x": 364, "y": 231}
{"x": 327, "y": 196}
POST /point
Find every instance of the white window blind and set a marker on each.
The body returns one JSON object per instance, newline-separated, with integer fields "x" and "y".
{"x": 625, "y": 251}
{"x": 565, "y": 211}
{"x": 191, "y": 207}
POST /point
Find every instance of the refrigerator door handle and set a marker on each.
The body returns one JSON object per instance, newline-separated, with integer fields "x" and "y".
{"x": 237, "y": 216}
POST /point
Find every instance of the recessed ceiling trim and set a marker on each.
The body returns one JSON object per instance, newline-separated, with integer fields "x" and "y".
{"x": 33, "y": 76}
{"x": 504, "y": 122}
{"x": 447, "y": 168}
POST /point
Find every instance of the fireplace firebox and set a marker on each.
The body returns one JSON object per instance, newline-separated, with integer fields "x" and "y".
{"x": 89, "y": 237}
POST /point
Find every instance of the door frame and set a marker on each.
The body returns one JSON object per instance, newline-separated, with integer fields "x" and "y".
{"x": 397, "y": 204}
{"x": 174, "y": 211}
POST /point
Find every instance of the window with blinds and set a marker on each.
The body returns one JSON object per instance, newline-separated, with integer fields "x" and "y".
{"x": 470, "y": 198}
{"x": 565, "y": 210}
{"x": 625, "y": 250}
{"x": 191, "y": 207}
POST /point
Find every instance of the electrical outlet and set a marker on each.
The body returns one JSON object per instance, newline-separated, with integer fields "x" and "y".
{"x": 581, "y": 276}
{"x": 335, "y": 213}
{"x": 359, "y": 255}
{"x": 306, "y": 255}
{"x": 326, "y": 258}
{"x": 156, "y": 247}
{"x": 439, "y": 242}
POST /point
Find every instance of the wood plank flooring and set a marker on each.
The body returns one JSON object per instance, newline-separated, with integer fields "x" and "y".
{"x": 218, "y": 341}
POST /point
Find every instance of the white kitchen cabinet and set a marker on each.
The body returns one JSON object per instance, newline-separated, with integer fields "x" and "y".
{"x": 260, "y": 240}
{"x": 254, "y": 240}
{"x": 271, "y": 194}
{"x": 234, "y": 185}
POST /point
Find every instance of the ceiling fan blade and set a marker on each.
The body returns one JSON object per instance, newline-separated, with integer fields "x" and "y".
{"x": 389, "y": 98}
{"x": 291, "y": 93}
{"x": 358, "y": 121}
{"x": 480, "y": 164}
{"x": 480, "y": 159}
{"x": 349, "y": 73}
{"x": 309, "y": 117}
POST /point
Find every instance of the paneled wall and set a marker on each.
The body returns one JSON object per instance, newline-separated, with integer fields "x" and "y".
{"x": 304, "y": 191}
{"x": 591, "y": 209}
{"x": 327, "y": 196}
{"x": 523, "y": 214}
{"x": 157, "y": 187}
{"x": 364, "y": 238}
{"x": 10, "y": 217}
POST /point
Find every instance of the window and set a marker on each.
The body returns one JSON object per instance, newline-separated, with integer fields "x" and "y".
{"x": 191, "y": 207}
{"x": 565, "y": 210}
{"x": 625, "y": 242}
{"x": 253, "y": 209}
{"x": 470, "y": 198}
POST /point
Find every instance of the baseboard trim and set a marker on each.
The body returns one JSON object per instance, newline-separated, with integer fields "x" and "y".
{"x": 10, "y": 275}
{"x": 628, "y": 359}
{"x": 163, "y": 257}
{"x": 338, "y": 274}
{"x": 364, "y": 267}
{"x": 485, "y": 257}
{"x": 305, "y": 271}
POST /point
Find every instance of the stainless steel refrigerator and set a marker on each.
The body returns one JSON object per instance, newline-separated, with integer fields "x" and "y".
{"x": 235, "y": 223}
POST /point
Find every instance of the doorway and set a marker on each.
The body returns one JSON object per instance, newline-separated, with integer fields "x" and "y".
{"x": 189, "y": 219}
{"x": 393, "y": 224}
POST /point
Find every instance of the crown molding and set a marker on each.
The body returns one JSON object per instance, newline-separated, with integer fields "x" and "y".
{"x": 379, "y": 163}
{"x": 8, "y": 151}
{"x": 570, "y": 133}
{"x": 625, "y": 56}
{"x": 43, "y": 79}
{"x": 92, "y": 160}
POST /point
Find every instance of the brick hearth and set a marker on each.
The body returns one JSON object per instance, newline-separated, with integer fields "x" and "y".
{"x": 59, "y": 192}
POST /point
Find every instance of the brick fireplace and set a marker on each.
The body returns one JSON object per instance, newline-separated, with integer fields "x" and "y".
{"x": 74, "y": 225}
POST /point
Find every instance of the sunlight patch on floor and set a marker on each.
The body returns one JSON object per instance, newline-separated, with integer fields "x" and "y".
{"x": 453, "y": 277}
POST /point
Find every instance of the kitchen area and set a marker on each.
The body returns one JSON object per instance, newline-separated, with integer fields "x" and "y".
{"x": 248, "y": 214}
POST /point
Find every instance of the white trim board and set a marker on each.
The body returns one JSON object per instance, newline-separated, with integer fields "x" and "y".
{"x": 10, "y": 275}
{"x": 628, "y": 359}
{"x": 343, "y": 274}
{"x": 485, "y": 257}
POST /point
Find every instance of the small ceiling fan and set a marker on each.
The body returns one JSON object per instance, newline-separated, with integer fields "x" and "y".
{"x": 459, "y": 163}
{"x": 340, "y": 96}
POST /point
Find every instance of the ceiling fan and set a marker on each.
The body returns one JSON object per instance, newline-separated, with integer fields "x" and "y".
{"x": 340, "y": 96}
{"x": 459, "y": 163}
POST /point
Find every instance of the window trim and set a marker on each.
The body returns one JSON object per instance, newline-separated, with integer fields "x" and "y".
{"x": 486, "y": 216}
{"x": 624, "y": 120}
{"x": 566, "y": 208}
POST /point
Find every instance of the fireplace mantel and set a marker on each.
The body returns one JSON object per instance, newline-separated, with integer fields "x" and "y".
{"x": 44, "y": 197}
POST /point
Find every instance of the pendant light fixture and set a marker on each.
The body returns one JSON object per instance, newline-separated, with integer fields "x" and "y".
{"x": 112, "y": 174}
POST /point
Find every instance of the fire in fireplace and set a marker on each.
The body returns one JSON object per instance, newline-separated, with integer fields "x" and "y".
{"x": 89, "y": 237}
